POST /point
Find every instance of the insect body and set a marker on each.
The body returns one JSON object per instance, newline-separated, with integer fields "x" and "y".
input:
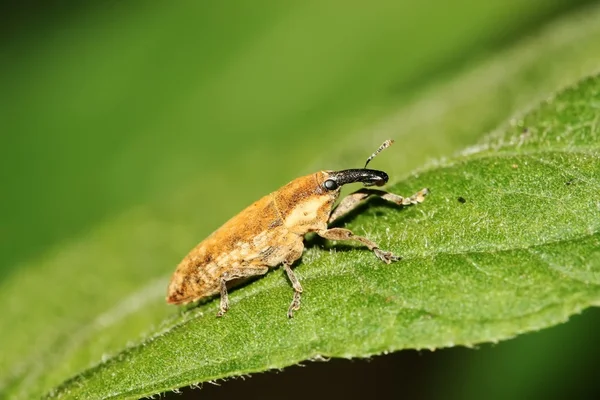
{"x": 271, "y": 231}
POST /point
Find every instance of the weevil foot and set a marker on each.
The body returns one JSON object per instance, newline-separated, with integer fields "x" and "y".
{"x": 295, "y": 306}
{"x": 222, "y": 311}
{"x": 386, "y": 256}
{"x": 419, "y": 197}
{"x": 224, "y": 304}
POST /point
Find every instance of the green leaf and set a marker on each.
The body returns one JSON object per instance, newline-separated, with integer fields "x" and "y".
{"x": 518, "y": 255}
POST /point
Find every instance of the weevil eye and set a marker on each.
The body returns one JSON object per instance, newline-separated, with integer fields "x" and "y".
{"x": 330, "y": 184}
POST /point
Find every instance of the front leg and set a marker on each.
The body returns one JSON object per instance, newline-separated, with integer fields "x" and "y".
{"x": 346, "y": 234}
{"x": 351, "y": 201}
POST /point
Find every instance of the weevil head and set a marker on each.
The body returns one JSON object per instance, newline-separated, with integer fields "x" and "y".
{"x": 329, "y": 183}
{"x": 306, "y": 203}
{"x": 334, "y": 180}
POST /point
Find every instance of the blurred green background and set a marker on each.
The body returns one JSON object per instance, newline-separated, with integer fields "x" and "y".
{"x": 107, "y": 106}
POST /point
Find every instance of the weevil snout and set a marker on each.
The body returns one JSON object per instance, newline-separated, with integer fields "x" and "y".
{"x": 368, "y": 177}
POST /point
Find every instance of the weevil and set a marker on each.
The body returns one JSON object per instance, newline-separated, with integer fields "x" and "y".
{"x": 270, "y": 232}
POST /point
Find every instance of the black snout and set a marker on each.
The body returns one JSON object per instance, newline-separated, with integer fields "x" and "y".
{"x": 368, "y": 177}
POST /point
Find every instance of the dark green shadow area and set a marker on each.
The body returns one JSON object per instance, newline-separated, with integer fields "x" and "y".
{"x": 553, "y": 363}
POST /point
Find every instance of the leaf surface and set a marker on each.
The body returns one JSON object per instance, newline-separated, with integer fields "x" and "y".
{"x": 508, "y": 242}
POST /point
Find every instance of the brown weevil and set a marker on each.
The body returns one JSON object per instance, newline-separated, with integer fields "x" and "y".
{"x": 271, "y": 231}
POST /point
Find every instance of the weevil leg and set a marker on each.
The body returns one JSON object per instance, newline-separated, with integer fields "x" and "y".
{"x": 294, "y": 254}
{"x": 350, "y": 202}
{"x": 232, "y": 274}
{"x": 346, "y": 234}
{"x": 295, "y": 306}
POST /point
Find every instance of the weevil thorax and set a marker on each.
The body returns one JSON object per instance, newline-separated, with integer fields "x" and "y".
{"x": 305, "y": 203}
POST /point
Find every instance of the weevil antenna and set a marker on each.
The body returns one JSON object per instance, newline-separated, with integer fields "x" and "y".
{"x": 381, "y": 148}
